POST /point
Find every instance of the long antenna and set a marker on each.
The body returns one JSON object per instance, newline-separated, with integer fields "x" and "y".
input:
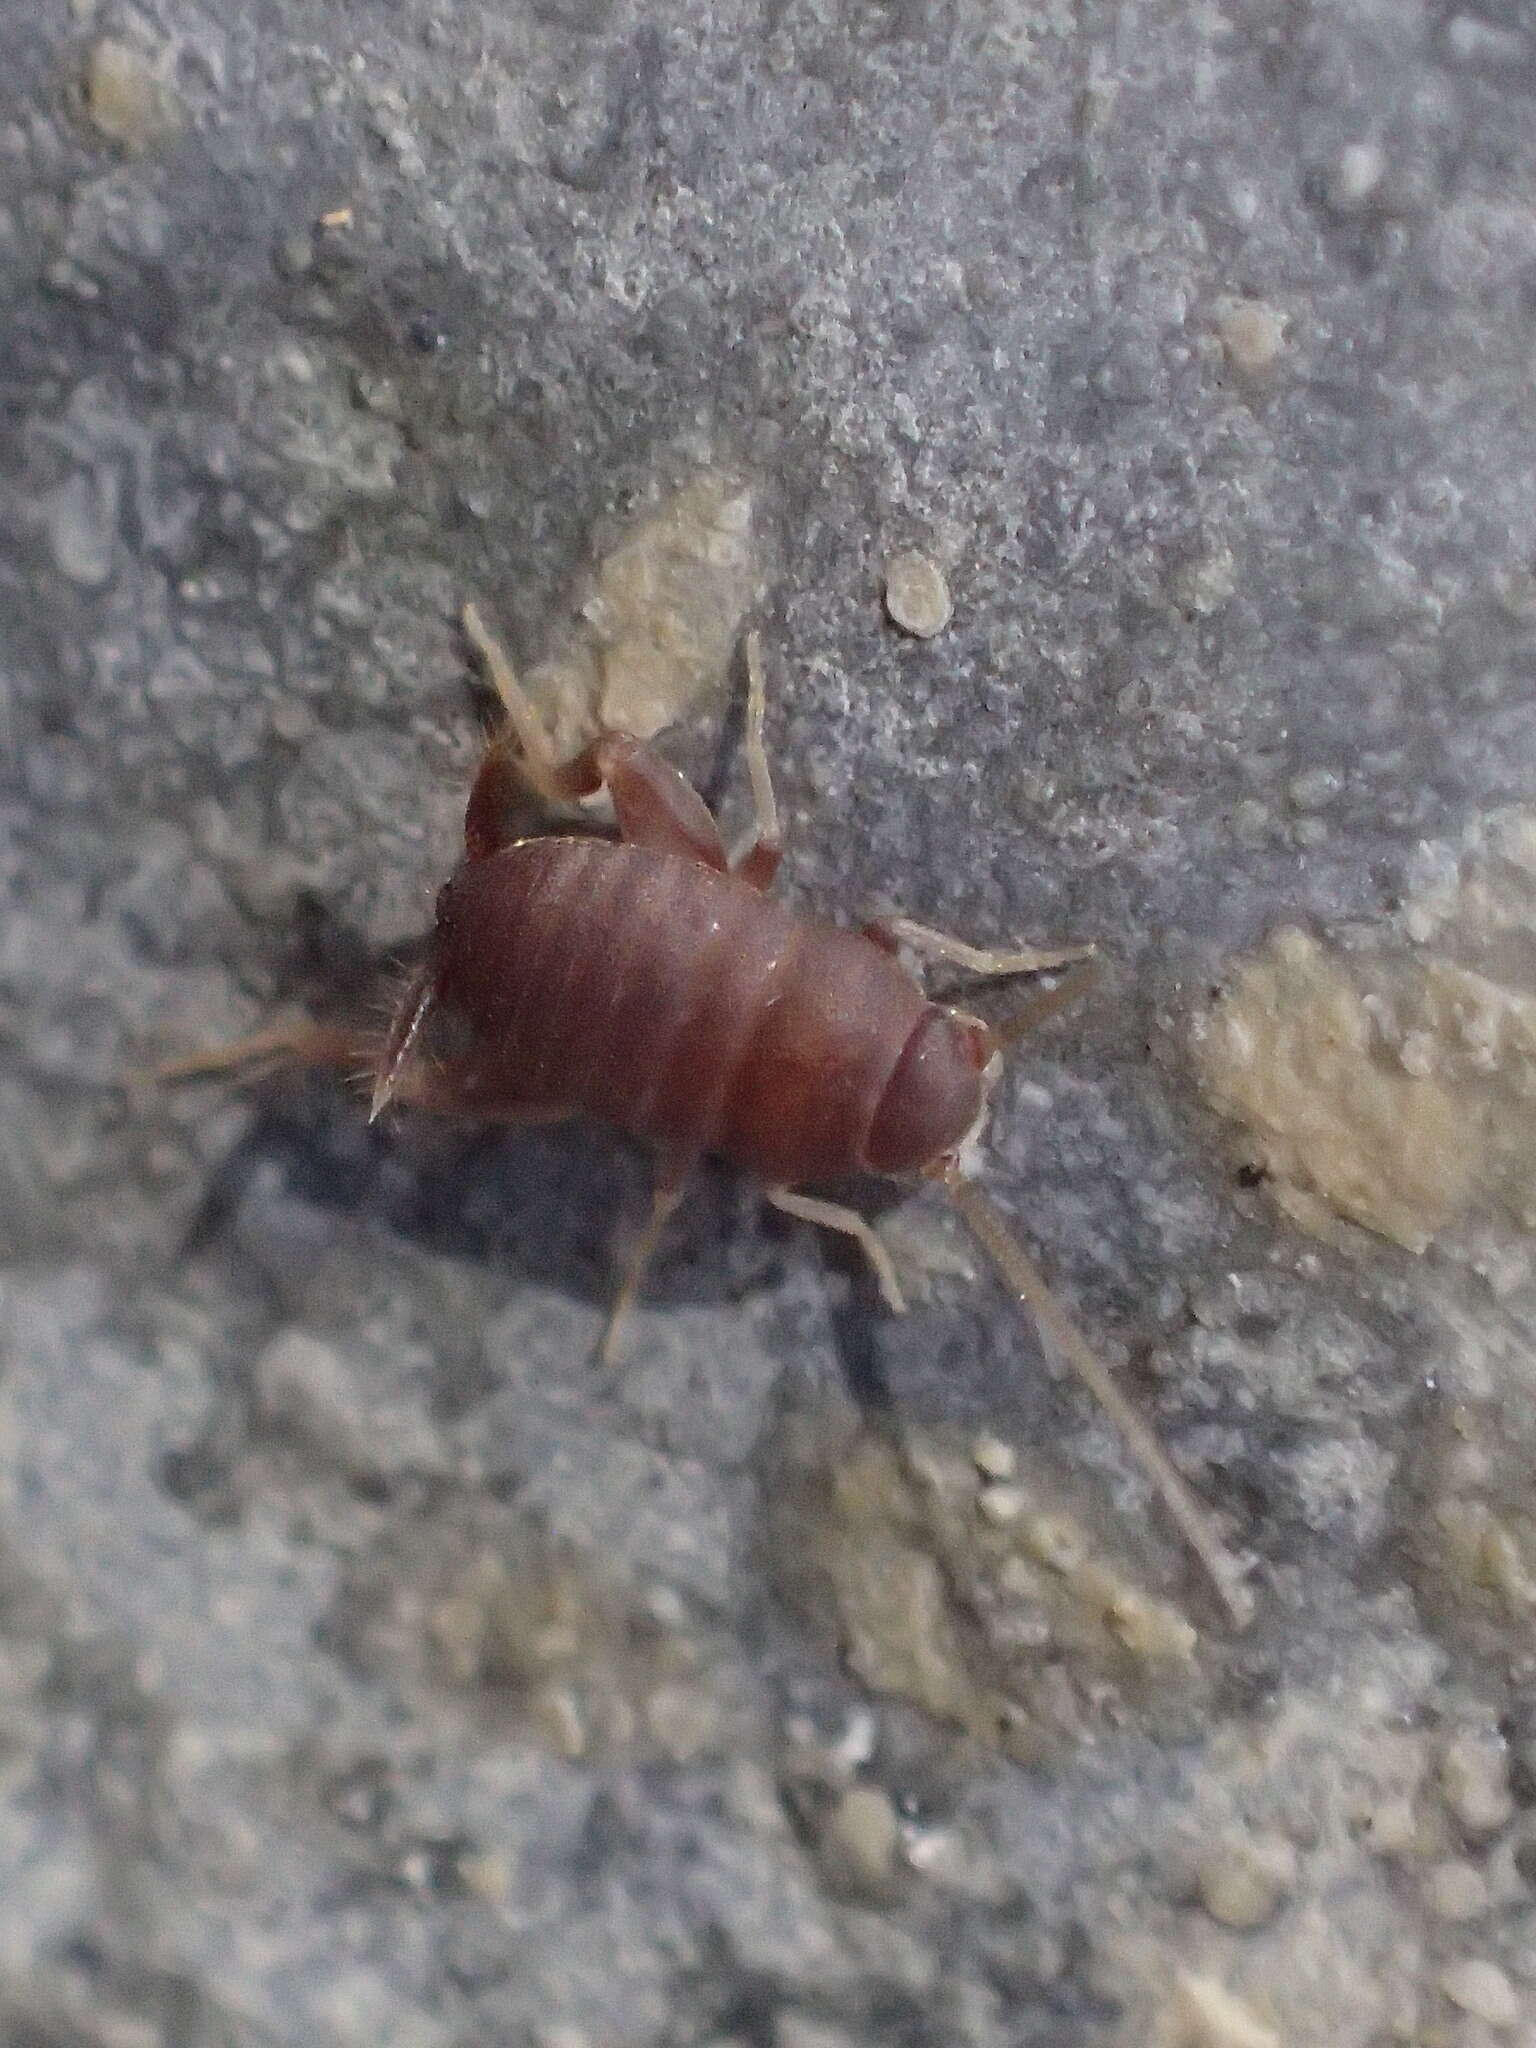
{"x": 1018, "y": 1270}
{"x": 1039, "y": 1009}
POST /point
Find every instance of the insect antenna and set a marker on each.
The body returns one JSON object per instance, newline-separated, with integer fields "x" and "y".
{"x": 1049, "y": 1003}
{"x": 1020, "y": 1274}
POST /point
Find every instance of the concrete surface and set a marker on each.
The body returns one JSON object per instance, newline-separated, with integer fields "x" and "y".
{"x": 370, "y": 1671}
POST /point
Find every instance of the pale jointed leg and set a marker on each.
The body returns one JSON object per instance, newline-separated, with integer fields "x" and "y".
{"x": 758, "y": 863}
{"x": 654, "y": 804}
{"x": 535, "y": 760}
{"x": 987, "y": 960}
{"x": 665, "y": 1196}
{"x": 833, "y": 1216}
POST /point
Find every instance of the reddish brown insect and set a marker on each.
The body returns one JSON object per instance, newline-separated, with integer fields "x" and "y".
{"x": 650, "y": 981}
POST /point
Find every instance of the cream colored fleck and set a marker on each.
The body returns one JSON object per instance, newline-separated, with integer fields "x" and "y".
{"x": 1057, "y": 1541}
{"x": 128, "y": 99}
{"x": 1357, "y": 171}
{"x": 1204, "y": 585}
{"x": 1245, "y": 1876}
{"x": 993, "y": 1458}
{"x": 1253, "y": 336}
{"x": 1394, "y": 1085}
{"x": 1456, "y": 1890}
{"x": 1203, "y": 2014}
{"x": 916, "y": 595}
{"x": 1482, "y": 1989}
{"x": 656, "y": 625}
{"x": 1474, "y": 1778}
{"x": 1002, "y": 1504}
{"x": 1289, "y": 1052}
{"x": 859, "y": 1841}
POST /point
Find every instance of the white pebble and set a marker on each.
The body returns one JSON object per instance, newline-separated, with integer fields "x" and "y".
{"x": 1456, "y": 1890}
{"x": 993, "y": 1458}
{"x": 1002, "y": 1504}
{"x": 1244, "y": 1878}
{"x": 1204, "y": 2014}
{"x": 1356, "y": 174}
{"x": 1203, "y": 585}
{"x": 1482, "y": 1989}
{"x": 916, "y": 595}
{"x": 1313, "y": 788}
{"x": 1252, "y": 335}
{"x": 1474, "y": 1777}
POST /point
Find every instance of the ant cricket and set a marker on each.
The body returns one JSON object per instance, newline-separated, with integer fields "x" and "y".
{"x": 650, "y": 980}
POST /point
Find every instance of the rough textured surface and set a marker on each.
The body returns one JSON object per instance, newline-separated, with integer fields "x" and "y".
{"x": 370, "y": 1670}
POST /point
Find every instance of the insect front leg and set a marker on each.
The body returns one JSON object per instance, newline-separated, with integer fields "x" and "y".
{"x": 892, "y": 933}
{"x": 990, "y": 961}
{"x": 758, "y": 862}
{"x": 655, "y": 805}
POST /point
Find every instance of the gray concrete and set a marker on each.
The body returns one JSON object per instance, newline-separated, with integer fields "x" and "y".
{"x": 372, "y": 1671}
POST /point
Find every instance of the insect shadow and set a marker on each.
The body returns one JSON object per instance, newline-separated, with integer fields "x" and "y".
{"x": 536, "y": 1206}
{"x": 649, "y": 982}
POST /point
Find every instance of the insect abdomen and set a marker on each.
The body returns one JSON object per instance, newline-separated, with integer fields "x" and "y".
{"x": 674, "y": 1001}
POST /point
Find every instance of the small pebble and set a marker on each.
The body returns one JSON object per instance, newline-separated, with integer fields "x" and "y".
{"x": 1357, "y": 172}
{"x": 1202, "y": 586}
{"x": 859, "y": 1842}
{"x": 1456, "y": 1890}
{"x": 1002, "y": 1504}
{"x": 916, "y": 595}
{"x": 1204, "y": 2014}
{"x": 1244, "y": 1878}
{"x": 378, "y": 394}
{"x": 1482, "y": 1989}
{"x": 993, "y": 1458}
{"x": 484, "y": 1875}
{"x": 127, "y": 100}
{"x": 556, "y": 1712}
{"x": 1252, "y": 335}
{"x": 293, "y": 720}
{"x": 1313, "y": 788}
{"x": 1474, "y": 1777}
{"x": 1250, "y": 820}
{"x": 1057, "y": 1541}
{"x": 1392, "y": 1828}
{"x": 1150, "y": 1628}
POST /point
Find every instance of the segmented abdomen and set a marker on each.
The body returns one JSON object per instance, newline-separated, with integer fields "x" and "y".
{"x": 674, "y": 1001}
